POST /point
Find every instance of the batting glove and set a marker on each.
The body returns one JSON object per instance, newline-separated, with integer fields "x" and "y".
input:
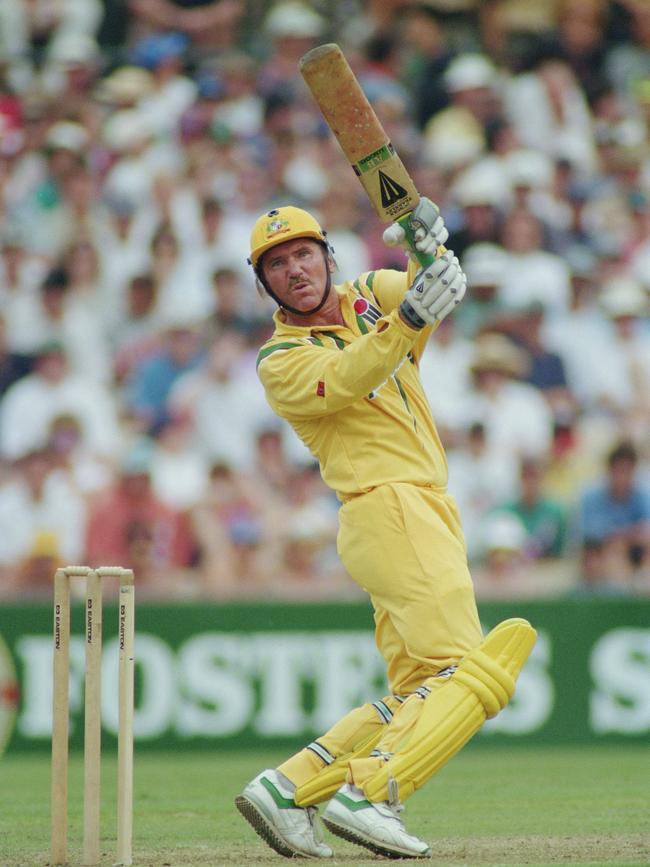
{"x": 435, "y": 292}
{"x": 429, "y": 230}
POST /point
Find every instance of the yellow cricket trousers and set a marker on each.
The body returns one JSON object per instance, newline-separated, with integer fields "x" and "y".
{"x": 404, "y": 545}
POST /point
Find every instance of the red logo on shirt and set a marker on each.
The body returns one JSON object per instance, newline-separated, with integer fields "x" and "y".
{"x": 360, "y": 306}
{"x": 320, "y": 389}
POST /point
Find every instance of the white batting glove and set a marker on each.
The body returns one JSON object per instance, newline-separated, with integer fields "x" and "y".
{"x": 429, "y": 230}
{"x": 435, "y": 292}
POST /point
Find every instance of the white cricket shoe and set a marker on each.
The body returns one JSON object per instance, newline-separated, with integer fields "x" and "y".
{"x": 377, "y": 826}
{"x": 291, "y": 831}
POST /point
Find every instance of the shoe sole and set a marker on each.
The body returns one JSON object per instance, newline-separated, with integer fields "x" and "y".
{"x": 377, "y": 848}
{"x": 261, "y": 825}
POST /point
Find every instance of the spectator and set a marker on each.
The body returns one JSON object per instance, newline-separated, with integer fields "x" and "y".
{"x": 136, "y": 158}
{"x": 445, "y": 374}
{"x": 226, "y": 405}
{"x": 457, "y": 135}
{"x": 21, "y": 271}
{"x": 38, "y": 498}
{"x": 627, "y": 62}
{"x": 33, "y": 575}
{"x": 292, "y": 29}
{"x": 578, "y": 333}
{"x": 424, "y": 36}
{"x": 623, "y": 384}
{"x": 87, "y": 471}
{"x": 122, "y": 239}
{"x": 136, "y": 336}
{"x": 616, "y": 513}
{"x": 128, "y": 524}
{"x": 179, "y": 467}
{"x": 517, "y": 419}
{"x": 482, "y": 196}
{"x": 58, "y": 316}
{"x": 221, "y": 243}
{"x": 580, "y": 41}
{"x": 230, "y": 313}
{"x": 573, "y": 458}
{"x": 172, "y": 92}
{"x": 342, "y": 212}
{"x": 149, "y": 384}
{"x": 484, "y": 264}
{"x": 532, "y": 274}
{"x": 13, "y": 365}
{"x": 51, "y": 228}
{"x": 480, "y": 478}
{"x": 544, "y": 519}
{"x": 599, "y": 574}
{"x": 211, "y": 24}
{"x": 561, "y": 124}
{"x": 31, "y": 403}
{"x": 233, "y": 544}
{"x": 546, "y": 368}
{"x": 504, "y": 572}
{"x": 62, "y": 34}
{"x": 182, "y": 278}
{"x": 240, "y": 110}
{"x": 309, "y": 567}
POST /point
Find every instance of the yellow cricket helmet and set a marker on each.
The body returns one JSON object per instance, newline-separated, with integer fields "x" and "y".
{"x": 282, "y": 224}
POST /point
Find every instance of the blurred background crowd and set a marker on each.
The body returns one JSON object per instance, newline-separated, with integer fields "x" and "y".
{"x": 140, "y": 139}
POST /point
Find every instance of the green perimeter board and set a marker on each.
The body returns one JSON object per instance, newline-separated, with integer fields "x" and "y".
{"x": 590, "y": 650}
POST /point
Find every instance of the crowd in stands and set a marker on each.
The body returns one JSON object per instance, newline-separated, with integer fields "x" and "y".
{"x": 139, "y": 141}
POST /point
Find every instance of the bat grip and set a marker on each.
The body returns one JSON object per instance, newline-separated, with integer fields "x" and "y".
{"x": 423, "y": 258}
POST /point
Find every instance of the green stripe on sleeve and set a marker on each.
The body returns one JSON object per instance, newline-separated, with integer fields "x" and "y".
{"x": 269, "y": 350}
{"x": 405, "y": 399}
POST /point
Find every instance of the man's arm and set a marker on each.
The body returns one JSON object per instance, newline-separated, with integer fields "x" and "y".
{"x": 309, "y": 378}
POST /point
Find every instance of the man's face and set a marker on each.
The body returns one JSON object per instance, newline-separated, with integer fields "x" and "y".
{"x": 296, "y": 272}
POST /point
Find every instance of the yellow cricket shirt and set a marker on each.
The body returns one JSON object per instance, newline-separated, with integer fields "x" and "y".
{"x": 353, "y": 394}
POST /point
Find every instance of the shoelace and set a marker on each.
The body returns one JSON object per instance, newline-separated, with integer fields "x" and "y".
{"x": 312, "y": 815}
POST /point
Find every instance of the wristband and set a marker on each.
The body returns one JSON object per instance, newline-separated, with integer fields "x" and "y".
{"x": 410, "y": 316}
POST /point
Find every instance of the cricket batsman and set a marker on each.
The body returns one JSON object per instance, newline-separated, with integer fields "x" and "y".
{"x": 342, "y": 368}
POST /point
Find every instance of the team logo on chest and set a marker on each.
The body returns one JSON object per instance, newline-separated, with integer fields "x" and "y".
{"x": 366, "y": 312}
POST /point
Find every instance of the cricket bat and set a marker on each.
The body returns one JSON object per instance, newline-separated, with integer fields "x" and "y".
{"x": 362, "y": 138}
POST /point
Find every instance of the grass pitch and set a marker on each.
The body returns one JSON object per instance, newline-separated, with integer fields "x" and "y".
{"x": 494, "y": 807}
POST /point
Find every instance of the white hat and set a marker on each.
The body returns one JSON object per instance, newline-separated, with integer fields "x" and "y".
{"x": 484, "y": 183}
{"x": 529, "y": 168}
{"x": 624, "y": 296}
{"x": 124, "y": 129}
{"x": 468, "y": 71}
{"x": 294, "y": 19}
{"x": 484, "y": 264}
{"x": 127, "y": 84}
{"x": 496, "y": 352}
{"x": 453, "y": 138}
{"x": 503, "y": 531}
{"x": 74, "y": 49}
{"x": 66, "y": 135}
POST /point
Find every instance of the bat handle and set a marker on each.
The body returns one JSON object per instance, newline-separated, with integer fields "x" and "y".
{"x": 423, "y": 258}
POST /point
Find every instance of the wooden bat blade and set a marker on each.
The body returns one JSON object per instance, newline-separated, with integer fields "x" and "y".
{"x": 359, "y": 132}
